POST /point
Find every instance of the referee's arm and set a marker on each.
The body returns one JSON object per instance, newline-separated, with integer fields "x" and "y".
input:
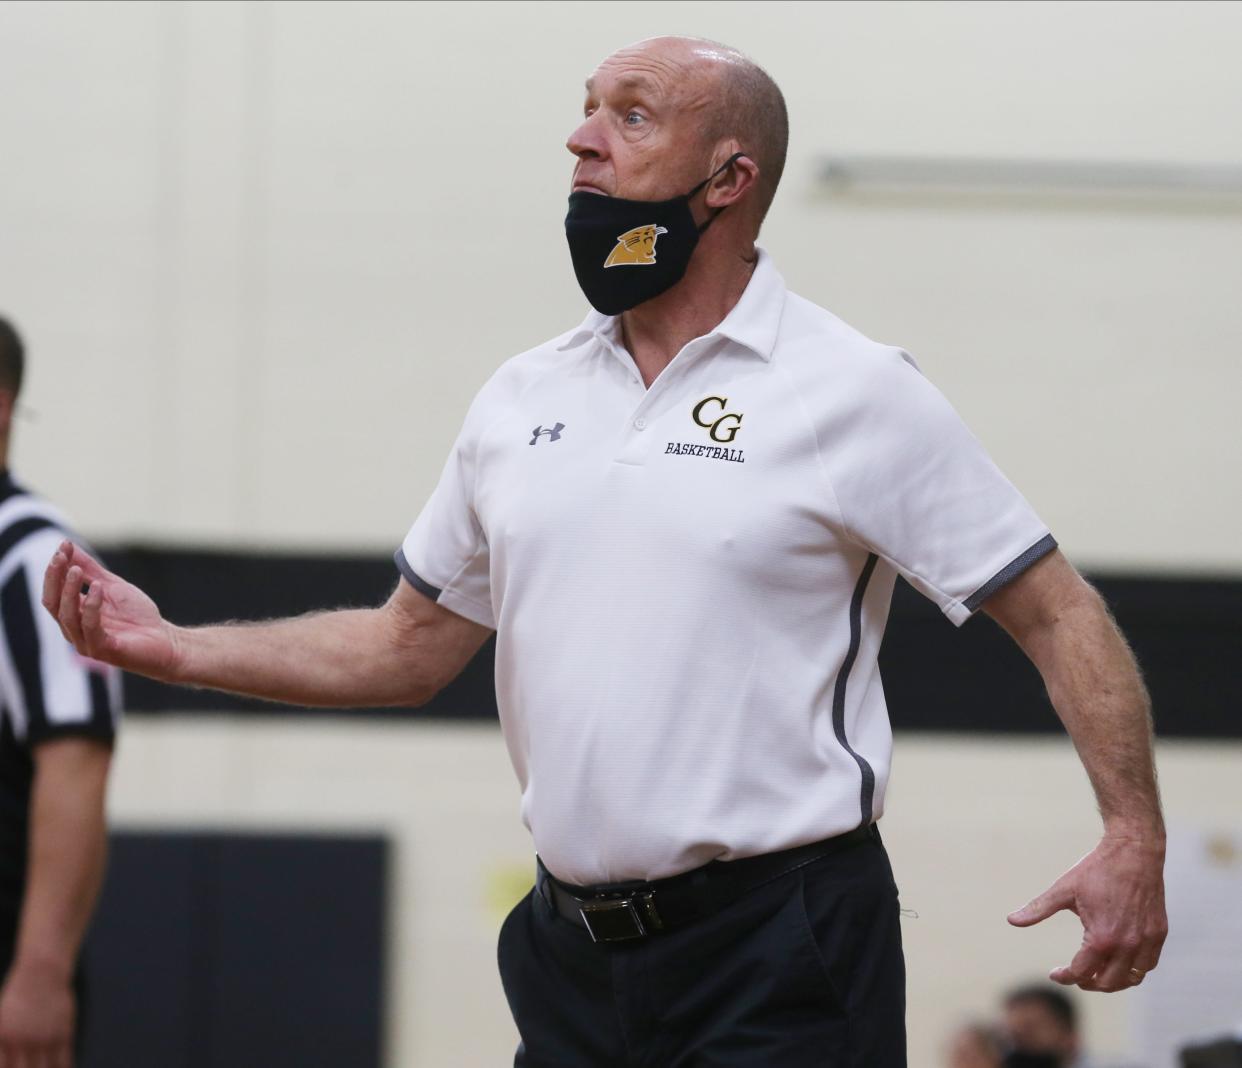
{"x": 67, "y": 852}
{"x": 401, "y": 653}
{"x": 64, "y": 713}
{"x": 1117, "y": 890}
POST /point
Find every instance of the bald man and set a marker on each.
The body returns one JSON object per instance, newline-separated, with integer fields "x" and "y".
{"x": 684, "y": 519}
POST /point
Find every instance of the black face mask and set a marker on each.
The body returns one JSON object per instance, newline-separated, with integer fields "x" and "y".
{"x": 628, "y": 251}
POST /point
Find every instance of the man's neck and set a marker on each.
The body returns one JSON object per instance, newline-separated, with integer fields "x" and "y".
{"x": 658, "y": 329}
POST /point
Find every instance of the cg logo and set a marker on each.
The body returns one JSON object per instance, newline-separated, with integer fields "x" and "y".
{"x": 717, "y": 430}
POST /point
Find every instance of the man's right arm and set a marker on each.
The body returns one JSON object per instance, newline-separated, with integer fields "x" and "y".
{"x": 401, "y": 653}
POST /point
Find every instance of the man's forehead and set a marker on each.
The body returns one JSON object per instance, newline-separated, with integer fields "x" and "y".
{"x": 626, "y": 79}
{"x": 658, "y": 65}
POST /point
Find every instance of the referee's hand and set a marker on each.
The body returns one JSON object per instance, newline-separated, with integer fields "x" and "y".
{"x": 107, "y": 618}
{"x": 36, "y": 1021}
{"x": 1117, "y": 891}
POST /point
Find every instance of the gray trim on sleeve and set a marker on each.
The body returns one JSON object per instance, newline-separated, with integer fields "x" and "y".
{"x": 413, "y": 578}
{"x": 1010, "y": 571}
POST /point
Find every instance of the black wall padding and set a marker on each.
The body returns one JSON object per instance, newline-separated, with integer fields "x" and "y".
{"x": 238, "y": 951}
{"x": 1187, "y": 634}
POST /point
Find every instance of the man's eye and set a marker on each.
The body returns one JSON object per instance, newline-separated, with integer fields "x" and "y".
{"x": 633, "y": 118}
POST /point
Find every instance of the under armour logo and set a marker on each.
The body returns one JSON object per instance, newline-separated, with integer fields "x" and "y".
{"x": 554, "y": 434}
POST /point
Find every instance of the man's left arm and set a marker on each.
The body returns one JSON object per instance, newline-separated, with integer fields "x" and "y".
{"x": 67, "y": 848}
{"x": 1116, "y": 890}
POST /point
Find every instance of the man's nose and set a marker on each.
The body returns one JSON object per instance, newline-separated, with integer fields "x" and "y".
{"x": 587, "y": 142}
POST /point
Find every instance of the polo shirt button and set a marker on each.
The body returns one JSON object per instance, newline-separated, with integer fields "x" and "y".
{"x": 640, "y": 423}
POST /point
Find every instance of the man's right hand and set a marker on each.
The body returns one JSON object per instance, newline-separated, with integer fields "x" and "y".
{"x": 107, "y": 618}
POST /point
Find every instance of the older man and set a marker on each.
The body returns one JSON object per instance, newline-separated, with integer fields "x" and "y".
{"x": 684, "y": 520}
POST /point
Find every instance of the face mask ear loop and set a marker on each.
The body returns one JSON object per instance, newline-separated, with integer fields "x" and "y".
{"x": 719, "y": 170}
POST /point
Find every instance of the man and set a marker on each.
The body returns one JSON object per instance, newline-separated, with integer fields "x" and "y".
{"x": 684, "y": 520}
{"x": 973, "y": 1045}
{"x": 57, "y": 721}
{"x": 1042, "y": 1021}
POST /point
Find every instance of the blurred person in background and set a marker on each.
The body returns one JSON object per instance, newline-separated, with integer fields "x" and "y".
{"x": 973, "y": 1045}
{"x": 58, "y": 719}
{"x": 684, "y": 519}
{"x": 1220, "y": 1053}
{"x": 1040, "y": 1023}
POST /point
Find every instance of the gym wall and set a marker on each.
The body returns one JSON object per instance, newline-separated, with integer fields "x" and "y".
{"x": 264, "y": 254}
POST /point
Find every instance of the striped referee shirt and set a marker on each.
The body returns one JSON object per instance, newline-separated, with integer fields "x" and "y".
{"x": 46, "y": 689}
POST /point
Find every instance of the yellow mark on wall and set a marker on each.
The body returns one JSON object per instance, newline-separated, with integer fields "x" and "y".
{"x": 505, "y": 885}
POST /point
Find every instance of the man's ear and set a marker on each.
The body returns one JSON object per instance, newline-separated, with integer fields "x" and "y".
{"x": 730, "y": 186}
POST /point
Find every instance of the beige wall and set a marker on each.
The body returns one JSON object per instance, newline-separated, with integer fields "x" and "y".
{"x": 975, "y": 828}
{"x": 265, "y": 253}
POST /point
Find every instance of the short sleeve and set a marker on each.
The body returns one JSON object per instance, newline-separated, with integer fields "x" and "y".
{"x": 445, "y": 555}
{"x": 916, "y": 487}
{"x": 51, "y": 690}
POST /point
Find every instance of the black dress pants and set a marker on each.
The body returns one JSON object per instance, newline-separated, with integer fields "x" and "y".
{"x": 804, "y": 971}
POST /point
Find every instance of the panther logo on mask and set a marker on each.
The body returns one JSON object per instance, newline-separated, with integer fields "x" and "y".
{"x": 635, "y": 247}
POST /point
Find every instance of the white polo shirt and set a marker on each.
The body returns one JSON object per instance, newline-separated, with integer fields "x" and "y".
{"x": 689, "y": 583}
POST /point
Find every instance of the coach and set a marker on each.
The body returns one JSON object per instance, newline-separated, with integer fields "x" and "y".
{"x": 684, "y": 520}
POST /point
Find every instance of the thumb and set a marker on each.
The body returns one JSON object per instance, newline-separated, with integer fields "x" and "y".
{"x": 1051, "y": 901}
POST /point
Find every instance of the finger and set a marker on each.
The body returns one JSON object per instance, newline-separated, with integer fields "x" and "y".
{"x": 1148, "y": 955}
{"x": 54, "y": 578}
{"x": 70, "y": 613}
{"x": 1050, "y": 902}
{"x": 62, "y": 1057}
{"x": 1117, "y": 973}
{"x": 1146, "y": 959}
{"x": 1082, "y": 969}
{"x": 91, "y": 568}
{"x": 92, "y": 625}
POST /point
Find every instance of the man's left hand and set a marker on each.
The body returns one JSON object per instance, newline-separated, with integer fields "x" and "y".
{"x": 1117, "y": 891}
{"x": 37, "y": 1014}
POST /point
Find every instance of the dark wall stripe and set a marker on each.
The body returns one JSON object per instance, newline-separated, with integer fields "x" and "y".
{"x": 1185, "y": 631}
{"x": 413, "y": 578}
{"x": 1010, "y": 571}
{"x": 867, "y": 798}
{"x": 23, "y": 640}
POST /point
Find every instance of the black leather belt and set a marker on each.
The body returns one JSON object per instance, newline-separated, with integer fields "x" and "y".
{"x": 621, "y": 912}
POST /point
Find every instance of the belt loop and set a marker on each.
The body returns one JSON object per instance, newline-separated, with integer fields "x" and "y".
{"x": 542, "y": 880}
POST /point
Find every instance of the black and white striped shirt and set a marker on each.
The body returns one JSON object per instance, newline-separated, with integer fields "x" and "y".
{"x": 46, "y": 689}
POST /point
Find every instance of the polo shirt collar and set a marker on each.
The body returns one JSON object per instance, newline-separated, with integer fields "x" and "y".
{"x": 752, "y": 323}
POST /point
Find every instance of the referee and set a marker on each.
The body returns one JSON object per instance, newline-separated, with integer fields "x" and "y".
{"x": 684, "y": 519}
{"x": 58, "y": 714}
